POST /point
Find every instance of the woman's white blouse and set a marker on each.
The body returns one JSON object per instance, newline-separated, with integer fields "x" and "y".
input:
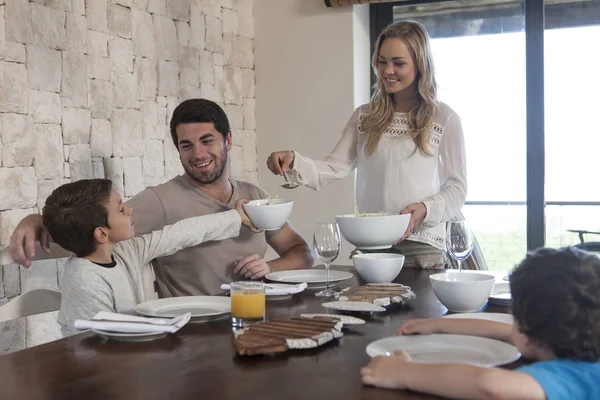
{"x": 397, "y": 173}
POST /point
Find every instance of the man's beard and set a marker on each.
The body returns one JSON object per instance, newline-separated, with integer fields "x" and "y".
{"x": 204, "y": 178}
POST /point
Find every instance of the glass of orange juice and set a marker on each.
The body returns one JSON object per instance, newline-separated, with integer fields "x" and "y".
{"x": 247, "y": 303}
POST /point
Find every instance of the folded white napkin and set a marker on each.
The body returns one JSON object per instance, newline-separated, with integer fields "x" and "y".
{"x": 108, "y": 321}
{"x": 279, "y": 289}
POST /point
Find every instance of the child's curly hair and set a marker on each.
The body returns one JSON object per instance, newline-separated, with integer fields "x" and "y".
{"x": 556, "y": 301}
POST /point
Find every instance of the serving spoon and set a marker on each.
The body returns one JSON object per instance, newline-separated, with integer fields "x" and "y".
{"x": 287, "y": 184}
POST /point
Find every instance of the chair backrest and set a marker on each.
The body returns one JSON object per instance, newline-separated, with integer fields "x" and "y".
{"x": 55, "y": 252}
{"x": 36, "y": 301}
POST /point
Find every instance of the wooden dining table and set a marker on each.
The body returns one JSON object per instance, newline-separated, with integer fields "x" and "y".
{"x": 199, "y": 361}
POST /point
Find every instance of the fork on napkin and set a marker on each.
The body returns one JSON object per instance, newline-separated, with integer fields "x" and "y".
{"x": 123, "y": 323}
{"x": 276, "y": 290}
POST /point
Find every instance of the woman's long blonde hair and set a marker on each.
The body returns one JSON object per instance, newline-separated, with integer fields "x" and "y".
{"x": 420, "y": 118}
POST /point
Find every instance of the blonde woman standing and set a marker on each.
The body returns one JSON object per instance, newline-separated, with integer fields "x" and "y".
{"x": 408, "y": 148}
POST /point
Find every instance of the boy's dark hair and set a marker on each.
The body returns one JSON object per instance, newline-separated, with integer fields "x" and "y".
{"x": 74, "y": 210}
{"x": 556, "y": 301}
{"x": 199, "y": 110}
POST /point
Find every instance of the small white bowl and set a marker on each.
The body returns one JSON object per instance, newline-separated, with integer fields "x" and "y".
{"x": 373, "y": 231}
{"x": 378, "y": 267}
{"x": 462, "y": 292}
{"x": 269, "y": 214}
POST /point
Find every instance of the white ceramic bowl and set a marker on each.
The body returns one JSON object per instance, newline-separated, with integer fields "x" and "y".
{"x": 373, "y": 231}
{"x": 378, "y": 267}
{"x": 269, "y": 214}
{"x": 462, "y": 292}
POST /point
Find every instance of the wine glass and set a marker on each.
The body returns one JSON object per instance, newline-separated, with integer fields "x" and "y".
{"x": 327, "y": 243}
{"x": 459, "y": 241}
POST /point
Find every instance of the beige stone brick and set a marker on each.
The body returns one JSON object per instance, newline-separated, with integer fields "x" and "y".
{"x": 165, "y": 36}
{"x": 153, "y": 161}
{"x": 249, "y": 118}
{"x": 243, "y": 52}
{"x": 97, "y": 43}
{"x": 23, "y": 193}
{"x": 45, "y": 107}
{"x": 214, "y": 34}
{"x": 113, "y": 170}
{"x": 245, "y": 9}
{"x": 119, "y": 20}
{"x": 13, "y": 51}
{"x": 232, "y": 85}
{"x": 47, "y": 27}
{"x": 157, "y": 7}
{"x": 79, "y": 7}
{"x": 124, "y": 3}
{"x": 132, "y": 176}
{"x": 141, "y": 4}
{"x": 67, "y": 170}
{"x": 42, "y": 328}
{"x": 120, "y": 52}
{"x": 178, "y": 10}
{"x": 17, "y": 140}
{"x": 80, "y": 161}
{"x": 2, "y": 35}
{"x": 12, "y": 277}
{"x": 101, "y": 96}
{"x": 218, "y": 59}
{"x": 170, "y": 151}
{"x": 76, "y": 126}
{"x": 14, "y": 88}
{"x": 97, "y": 169}
{"x": 236, "y": 137}
{"x": 183, "y": 33}
{"x": 189, "y": 64}
{"x": 66, "y": 152}
{"x": 189, "y": 92}
{"x": 48, "y": 159}
{"x": 101, "y": 138}
{"x": 126, "y": 125}
{"x": 236, "y": 116}
{"x": 76, "y": 33}
{"x": 44, "y": 68}
{"x": 145, "y": 73}
{"x": 98, "y": 68}
{"x": 74, "y": 83}
{"x": 124, "y": 90}
{"x": 161, "y": 123}
{"x": 212, "y": 8}
{"x": 168, "y": 78}
{"x": 208, "y": 91}
{"x": 149, "y": 111}
{"x": 248, "y": 83}
{"x": 229, "y": 4}
{"x": 230, "y": 21}
{"x": 17, "y": 21}
{"x": 249, "y": 151}
{"x": 197, "y": 25}
{"x": 207, "y": 71}
{"x": 142, "y": 34}
{"x": 236, "y": 162}
{"x": 61, "y": 5}
{"x": 96, "y": 12}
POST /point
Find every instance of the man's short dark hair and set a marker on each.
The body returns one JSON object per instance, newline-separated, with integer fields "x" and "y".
{"x": 199, "y": 110}
{"x": 74, "y": 210}
{"x": 556, "y": 301}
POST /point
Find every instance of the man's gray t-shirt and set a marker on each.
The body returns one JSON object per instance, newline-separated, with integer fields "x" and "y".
{"x": 202, "y": 269}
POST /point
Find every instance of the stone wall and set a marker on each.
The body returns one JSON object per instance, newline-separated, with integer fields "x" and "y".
{"x": 87, "y": 88}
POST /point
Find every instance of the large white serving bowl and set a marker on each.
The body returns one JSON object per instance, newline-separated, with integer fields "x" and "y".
{"x": 373, "y": 231}
{"x": 462, "y": 292}
{"x": 378, "y": 267}
{"x": 269, "y": 214}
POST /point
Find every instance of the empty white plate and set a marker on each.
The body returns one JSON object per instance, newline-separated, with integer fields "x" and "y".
{"x": 443, "y": 348}
{"x": 202, "y": 308}
{"x": 499, "y": 317}
{"x": 501, "y": 294}
{"x": 315, "y": 278}
{"x": 130, "y": 337}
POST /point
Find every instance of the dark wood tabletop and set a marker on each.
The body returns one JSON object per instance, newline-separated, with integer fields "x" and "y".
{"x": 199, "y": 361}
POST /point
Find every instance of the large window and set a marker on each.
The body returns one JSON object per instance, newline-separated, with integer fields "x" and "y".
{"x": 485, "y": 56}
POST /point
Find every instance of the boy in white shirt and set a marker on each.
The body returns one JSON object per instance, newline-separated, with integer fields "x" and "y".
{"x": 88, "y": 218}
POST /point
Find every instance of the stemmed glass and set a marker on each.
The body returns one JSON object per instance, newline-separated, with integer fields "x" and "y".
{"x": 327, "y": 243}
{"x": 459, "y": 241}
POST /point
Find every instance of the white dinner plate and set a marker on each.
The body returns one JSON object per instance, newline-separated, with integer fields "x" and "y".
{"x": 202, "y": 308}
{"x": 130, "y": 337}
{"x": 315, "y": 278}
{"x": 499, "y": 317}
{"x": 443, "y": 348}
{"x": 501, "y": 294}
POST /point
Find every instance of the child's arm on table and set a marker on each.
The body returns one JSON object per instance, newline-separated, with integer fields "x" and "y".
{"x": 475, "y": 327}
